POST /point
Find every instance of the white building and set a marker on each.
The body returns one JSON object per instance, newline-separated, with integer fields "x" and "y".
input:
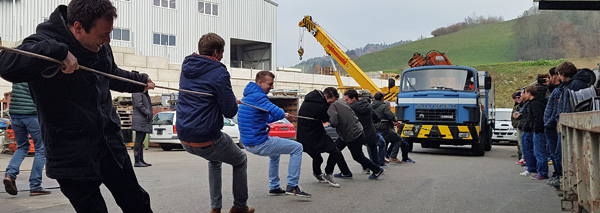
{"x": 170, "y": 28}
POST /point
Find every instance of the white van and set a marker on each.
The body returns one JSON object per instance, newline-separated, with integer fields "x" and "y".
{"x": 503, "y": 129}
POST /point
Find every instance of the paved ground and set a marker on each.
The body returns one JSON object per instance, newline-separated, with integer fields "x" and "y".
{"x": 442, "y": 180}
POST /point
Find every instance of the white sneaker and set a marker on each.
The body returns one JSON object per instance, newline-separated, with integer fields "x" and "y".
{"x": 330, "y": 180}
{"x": 525, "y": 173}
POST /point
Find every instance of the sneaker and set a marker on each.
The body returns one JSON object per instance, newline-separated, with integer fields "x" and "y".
{"x": 340, "y": 175}
{"x": 9, "y": 185}
{"x": 395, "y": 160}
{"x": 320, "y": 178}
{"x": 409, "y": 161}
{"x": 297, "y": 191}
{"x": 538, "y": 177}
{"x": 525, "y": 173}
{"x": 375, "y": 176}
{"x": 277, "y": 192}
{"x": 521, "y": 162}
{"x": 366, "y": 171}
{"x": 331, "y": 181}
{"x": 39, "y": 191}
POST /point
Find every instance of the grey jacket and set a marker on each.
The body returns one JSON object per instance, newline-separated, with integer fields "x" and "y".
{"x": 142, "y": 113}
{"x": 345, "y": 122}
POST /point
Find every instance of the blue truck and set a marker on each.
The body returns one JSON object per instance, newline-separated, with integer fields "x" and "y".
{"x": 446, "y": 105}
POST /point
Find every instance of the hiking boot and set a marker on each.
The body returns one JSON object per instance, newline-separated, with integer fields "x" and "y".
{"x": 366, "y": 171}
{"x": 331, "y": 181}
{"x": 395, "y": 160}
{"x": 408, "y": 161}
{"x": 246, "y": 209}
{"x": 320, "y": 178}
{"x": 376, "y": 175}
{"x": 140, "y": 164}
{"x": 276, "y": 192}
{"x": 39, "y": 191}
{"x": 9, "y": 185}
{"x": 341, "y": 175}
{"x": 297, "y": 191}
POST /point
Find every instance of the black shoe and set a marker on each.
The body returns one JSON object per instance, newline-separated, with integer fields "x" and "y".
{"x": 147, "y": 164}
{"x": 39, "y": 191}
{"x": 10, "y": 186}
{"x": 296, "y": 191}
{"x": 277, "y": 192}
{"x": 139, "y": 164}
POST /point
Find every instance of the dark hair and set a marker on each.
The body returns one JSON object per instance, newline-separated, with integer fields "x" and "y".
{"x": 516, "y": 95}
{"x": 541, "y": 78}
{"x": 262, "y": 75}
{"x": 552, "y": 71}
{"x": 532, "y": 90}
{"x": 378, "y": 96}
{"x": 351, "y": 94}
{"x": 331, "y": 92}
{"x": 87, "y": 12}
{"x": 566, "y": 69}
{"x": 210, "y": 42}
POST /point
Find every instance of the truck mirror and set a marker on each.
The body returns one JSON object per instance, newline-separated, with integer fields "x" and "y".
{"x": 488, "y": 82}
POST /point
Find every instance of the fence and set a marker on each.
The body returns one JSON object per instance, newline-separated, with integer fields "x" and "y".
{"x": 581, "y": 165}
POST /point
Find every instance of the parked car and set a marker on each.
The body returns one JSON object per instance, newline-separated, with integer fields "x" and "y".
{"x": 503, "y": 129}
{"x": 283, "y": 129}
{"x": 164, "y": 132}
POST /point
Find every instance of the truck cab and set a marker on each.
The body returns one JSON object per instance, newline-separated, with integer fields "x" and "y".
{"x": 451, "y": 105}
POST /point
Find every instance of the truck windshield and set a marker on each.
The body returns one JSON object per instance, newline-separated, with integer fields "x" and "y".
{"x": 437, "y": 79}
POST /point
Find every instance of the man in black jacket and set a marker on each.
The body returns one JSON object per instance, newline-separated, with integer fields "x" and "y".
{"x": 386, "y": 127}
{"x": 364, "y": 112}
{"x": 526, "y": 124}
{"x": 313, "y": 137}
{"x": 537, "y": 106}
{"x": 80, "y": 127}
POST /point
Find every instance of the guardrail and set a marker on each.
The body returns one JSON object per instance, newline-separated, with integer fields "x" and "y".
{"x": 581, "y": 164}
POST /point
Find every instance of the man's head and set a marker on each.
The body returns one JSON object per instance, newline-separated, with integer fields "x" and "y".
{"x": 331, "y": 94}
{"x": 542, "y": 79}
{"x": 553, "y": 76}
{"x": 378, "y": 96}
{"x": 91, "y": 22}
{"x": 530, "y": 92}
{"x": 211, "y": 44}
{"x": 350, "y": 96}
{"x": 264, "y": 79}
{"x": 565, "y": 71}
{"x": 516, "y": 97}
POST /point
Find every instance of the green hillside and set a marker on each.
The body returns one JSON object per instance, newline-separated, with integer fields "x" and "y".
{"x": 483, "y": 44}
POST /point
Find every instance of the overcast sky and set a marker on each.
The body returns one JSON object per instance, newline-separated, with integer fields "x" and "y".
{"x": 357, "y": 23}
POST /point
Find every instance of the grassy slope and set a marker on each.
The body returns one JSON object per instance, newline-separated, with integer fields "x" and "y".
{"x": 484, "y": 44}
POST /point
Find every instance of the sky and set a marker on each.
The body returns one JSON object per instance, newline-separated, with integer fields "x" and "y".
{"x": 356, "y": 23}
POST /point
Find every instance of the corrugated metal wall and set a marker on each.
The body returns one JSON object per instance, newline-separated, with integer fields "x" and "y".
{"x": 254, "y": 20}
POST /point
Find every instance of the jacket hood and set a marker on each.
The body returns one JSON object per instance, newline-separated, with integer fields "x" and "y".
{"x": 315, "y": 96}
{"x": 252, "y": 88}
{"x": 195, "y": 66}
{"x": 585, "y": 75}
{"x": 360, "y": 106}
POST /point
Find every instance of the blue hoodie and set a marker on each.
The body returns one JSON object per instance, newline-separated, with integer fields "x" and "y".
{"x": 200, "y": 117}
{"x": 254, "y": 123}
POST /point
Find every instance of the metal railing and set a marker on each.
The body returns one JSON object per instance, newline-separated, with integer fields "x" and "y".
{"x": 581, "y": 164}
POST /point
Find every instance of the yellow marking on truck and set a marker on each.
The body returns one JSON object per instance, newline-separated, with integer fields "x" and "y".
{"x": 466, "y": 129}
{"x": 407, "y": 127}
{"x": 425, "y": 129}
{"x": 445, "y": 130}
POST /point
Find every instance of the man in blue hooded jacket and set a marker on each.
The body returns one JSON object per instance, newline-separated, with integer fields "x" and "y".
{"x": 254, "y": 133}
{"x": 200, "y": 120}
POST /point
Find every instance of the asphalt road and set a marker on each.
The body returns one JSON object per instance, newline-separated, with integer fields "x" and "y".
{"x": 442, "y": 180}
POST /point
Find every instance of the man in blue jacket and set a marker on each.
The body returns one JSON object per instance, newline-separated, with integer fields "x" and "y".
{"x": 200, "y": 120}
{"x": 254, "y": 132}
{"x": 550, "y": 123}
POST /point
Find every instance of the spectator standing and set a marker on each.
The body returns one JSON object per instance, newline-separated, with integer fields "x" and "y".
{"x": 516, "y": 97}
{"x": 24, "y": 122}
{"x": 254, "y": 132}
{"x": 141, "y": 124}
{"x": 200, "y": 120}
{"x": 537, "y": 107}
{"x": 526, "y": 123}
{"x": 550, "y": 124}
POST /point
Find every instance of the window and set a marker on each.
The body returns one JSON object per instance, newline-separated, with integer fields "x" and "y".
{"x": 208, "y": 8}
{"x": 165, "y": 3}
{"x": 163, "y": 39}
{"x": 120, "y": 34}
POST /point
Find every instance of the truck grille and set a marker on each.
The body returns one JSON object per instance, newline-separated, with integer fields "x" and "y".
{"x": 435, "y": 115}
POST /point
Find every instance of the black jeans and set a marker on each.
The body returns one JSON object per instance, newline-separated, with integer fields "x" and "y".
{"x": 355, "y": 148}
{"x": 335, "y": 157}
{"x": 396, "y": 144}
{"x": 122, "y": 183}
{"x": 138, "y": 146}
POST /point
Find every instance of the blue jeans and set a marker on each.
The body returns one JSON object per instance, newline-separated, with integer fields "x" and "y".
{"x": 541, "y": 153}
{"x": 224, "y": 150}
{"x": 527, "y": 143}
{"x": 274, "y": 147}
{"x": 28, "y": 125}
{"x": 554, "y": 150}
{"x": 379, "y": 151}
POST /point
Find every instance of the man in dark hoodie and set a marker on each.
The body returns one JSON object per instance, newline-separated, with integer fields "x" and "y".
{"x": 526, "y": 124}
{"x": 550, "y": 123}
{"x": 200, "y": 120}
{"x": 364, "y": 112}
{"x": 537, "y": 107}
{"x": 386, "y": 127}
{"x": 313, "y": 137}
{"x": 81, "y": 132}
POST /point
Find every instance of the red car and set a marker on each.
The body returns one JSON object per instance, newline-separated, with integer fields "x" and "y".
{"x": 283, "y": 129}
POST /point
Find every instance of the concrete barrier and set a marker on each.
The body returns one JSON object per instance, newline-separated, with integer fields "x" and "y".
{"x": 580, "y": 135}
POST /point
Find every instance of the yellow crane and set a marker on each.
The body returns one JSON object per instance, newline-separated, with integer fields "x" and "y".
{"x": 333, "y": 50}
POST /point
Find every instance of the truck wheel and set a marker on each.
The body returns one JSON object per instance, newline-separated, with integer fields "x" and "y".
{"x": 487, "y": 138}
{"x": 435, "y": 145}
{"x": 166, "y": 147}
{"x": 477, "y": 148}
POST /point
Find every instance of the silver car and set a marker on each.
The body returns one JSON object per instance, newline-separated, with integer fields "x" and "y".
{"x": 503, "y": 129}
